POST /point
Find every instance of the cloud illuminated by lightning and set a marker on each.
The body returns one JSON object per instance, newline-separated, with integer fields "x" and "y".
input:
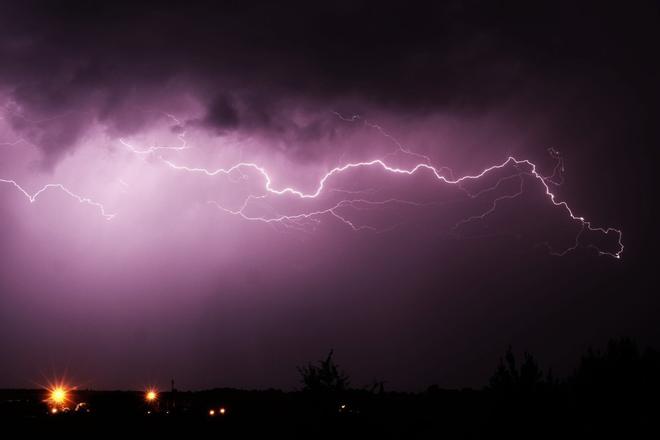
{"x": 302, "y": 221}
{"x": 379, "y": 163}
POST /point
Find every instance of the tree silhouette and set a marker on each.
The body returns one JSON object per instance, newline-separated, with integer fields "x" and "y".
{"x": 619, "y": 367}
{"x": 508, "y": 377}
{"x": 324, "y": 377}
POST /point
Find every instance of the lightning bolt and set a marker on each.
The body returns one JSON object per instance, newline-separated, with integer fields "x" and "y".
{"x": 9, "y": 108}
{"x": 444, "y": 175}
{"x": 531, "y": 170}
{"x": 84, "y": 200}
{"x": 155, "y": 148}
{"x": 13, "y": 143}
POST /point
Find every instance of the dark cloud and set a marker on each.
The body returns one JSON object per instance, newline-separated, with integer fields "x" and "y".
{"x": 434, "y": 56}
{"x": 578, "y": 77}
{"x": 222, "y": 114}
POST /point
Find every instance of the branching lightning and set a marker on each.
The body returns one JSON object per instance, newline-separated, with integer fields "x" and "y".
{"x": 85, "y": 200}
{"x": 525, "y": 169}
{"x": 444, "y": 175}
{"x": 531, "y": 171}
{"x": 32, "y": 197}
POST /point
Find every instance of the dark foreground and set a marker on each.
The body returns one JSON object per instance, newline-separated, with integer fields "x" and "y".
{"x": 452, "y": 414}
{"x": 613, "y": 393}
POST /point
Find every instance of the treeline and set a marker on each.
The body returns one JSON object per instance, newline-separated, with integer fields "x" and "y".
{"x": 621, "y": 367}
{"x": 614, "y": 391}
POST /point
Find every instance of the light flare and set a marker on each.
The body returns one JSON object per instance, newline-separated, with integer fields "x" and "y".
{"x": 59, "y": 395}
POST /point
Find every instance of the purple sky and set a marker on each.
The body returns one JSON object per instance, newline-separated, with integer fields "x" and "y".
{"x": 236, "y": 190}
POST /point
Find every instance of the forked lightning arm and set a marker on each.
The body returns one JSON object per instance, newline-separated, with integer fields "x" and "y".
{"x": 33, "y": 197}
{"x": 524, "y": 166}
{"x": 269, "y": 188}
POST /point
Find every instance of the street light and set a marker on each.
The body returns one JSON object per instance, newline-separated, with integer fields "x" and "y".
{"x": 151, "y": 396}
{"x": 58, "y": 395}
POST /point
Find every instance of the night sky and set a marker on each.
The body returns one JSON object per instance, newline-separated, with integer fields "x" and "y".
{"x": 221, "y": 193}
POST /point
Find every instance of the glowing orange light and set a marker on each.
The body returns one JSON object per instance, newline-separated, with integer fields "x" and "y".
{"x": 58, "y": 395}
{"x": 222, "y": 410}
{"x": 211, "y": 412}
{"x": 53, "y": 410}
{"x": 151, "y": 395}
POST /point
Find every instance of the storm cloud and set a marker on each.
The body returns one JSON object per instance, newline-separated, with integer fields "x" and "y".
{"x": 250, "y": 63}
{"x": 143, "y": 110}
